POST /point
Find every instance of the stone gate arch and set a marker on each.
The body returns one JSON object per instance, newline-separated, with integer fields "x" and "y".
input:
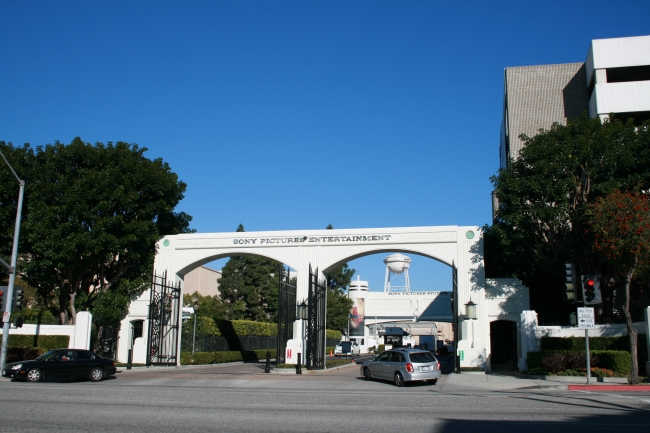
{"x": 458, "y": 246}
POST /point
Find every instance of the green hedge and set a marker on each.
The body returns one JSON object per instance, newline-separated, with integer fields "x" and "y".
{"x": 241, "y": 328}
{"x": 15, "y": 354}
{"x": 616, "y": 360}
{"x": 45, "y": 342}
{"x": 200, "y": 358}
{"x": 330, "y": 333}
{"x": 599, "y": 343}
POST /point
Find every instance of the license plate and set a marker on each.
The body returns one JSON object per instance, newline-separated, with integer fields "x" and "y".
{"x": 425, "y": 368}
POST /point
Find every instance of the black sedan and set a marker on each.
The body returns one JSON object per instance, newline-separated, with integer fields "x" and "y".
{"x": 62, "y": 364}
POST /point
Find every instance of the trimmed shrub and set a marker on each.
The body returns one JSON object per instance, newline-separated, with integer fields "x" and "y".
{"x": 599, "y": 343}
{"x": 472, "y": 369}
{"x": 15, "y": 354}
{"x": 381, "y": 348}
{"x": 45, "y": 342}
{"x": 555, "y": 361}
{"x": 200, "y": 358}
{"x": 337, "y": 362}
{"x": 330, "y": 333}
{"x": 617, "y": 361}
{"x": 578, "y": 360}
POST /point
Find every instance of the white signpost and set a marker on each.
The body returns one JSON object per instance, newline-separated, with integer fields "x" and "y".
{"x": 587, "y": 321}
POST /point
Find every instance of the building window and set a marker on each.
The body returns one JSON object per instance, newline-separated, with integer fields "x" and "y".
{"x": 136, "y": 330}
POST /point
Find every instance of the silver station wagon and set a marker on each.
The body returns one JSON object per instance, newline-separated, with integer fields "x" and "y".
{"x": 403, "y": 365}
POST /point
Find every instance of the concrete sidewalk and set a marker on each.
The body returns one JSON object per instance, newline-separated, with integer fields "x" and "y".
{"x": 496, "y": 382}
{"x": 465, "y": 382}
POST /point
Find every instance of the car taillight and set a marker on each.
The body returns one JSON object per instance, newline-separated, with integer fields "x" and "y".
{"x": 409, "y": 368}
{"x": 438, "y": 365}
{"x": 113, "y": 363}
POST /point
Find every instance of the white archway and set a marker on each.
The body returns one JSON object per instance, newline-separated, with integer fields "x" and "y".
{"x": 458, "y": 246}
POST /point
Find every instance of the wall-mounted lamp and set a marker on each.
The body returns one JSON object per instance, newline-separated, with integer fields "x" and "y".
{"x": 470, "y": 310}
{"x": 301, "y": 311}
{"x": 416, "y": 313}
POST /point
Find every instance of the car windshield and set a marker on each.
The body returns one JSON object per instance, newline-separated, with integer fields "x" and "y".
{"x": 345, "y": 346}
{"x": 421, "y": 357}
{"x": 47, "y": 355}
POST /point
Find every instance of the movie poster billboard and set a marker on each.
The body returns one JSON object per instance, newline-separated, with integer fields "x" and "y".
{"x": 358, "y": 318}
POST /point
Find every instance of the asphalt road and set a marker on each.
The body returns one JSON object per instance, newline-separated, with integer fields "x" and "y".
{"x": 241, "y": 398}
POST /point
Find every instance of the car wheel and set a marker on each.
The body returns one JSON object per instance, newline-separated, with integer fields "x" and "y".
{"x": 398, "y": 379}
{"x": 432, "y": 381}
{"x": 366, "y": 374}
{"x": 34, "y": 375}
{"x": 96, "y": 374}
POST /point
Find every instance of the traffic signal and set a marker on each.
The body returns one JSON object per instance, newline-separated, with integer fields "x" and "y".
{"x": 569, "y": 282}
{"x": 591, "y": 290}
{"x": 17, "y": 304}
{"x": 3, "y": 290}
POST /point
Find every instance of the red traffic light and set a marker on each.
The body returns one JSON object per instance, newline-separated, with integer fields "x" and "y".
{"x": 590, "y": 282}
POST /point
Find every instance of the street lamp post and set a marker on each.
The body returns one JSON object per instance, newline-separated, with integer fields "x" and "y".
{"x": 196, "y": 308}
{"x": 12, "y": 269}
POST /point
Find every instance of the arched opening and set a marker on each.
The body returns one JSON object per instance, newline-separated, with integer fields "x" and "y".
{"x": 382, "y": 306}
{"x": 503, "y": 345}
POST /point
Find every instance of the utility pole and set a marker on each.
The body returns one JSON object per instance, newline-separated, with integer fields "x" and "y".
{"x": 6, "y": 317}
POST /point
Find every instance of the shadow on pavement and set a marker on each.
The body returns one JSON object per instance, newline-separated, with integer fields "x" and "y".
{"x": 633, "y": 421}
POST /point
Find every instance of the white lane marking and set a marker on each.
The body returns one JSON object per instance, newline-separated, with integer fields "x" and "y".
{"x": 616, "y": 395}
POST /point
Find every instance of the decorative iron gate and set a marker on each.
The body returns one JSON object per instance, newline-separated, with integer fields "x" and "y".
{"x": 286, "y": 313}
{"x": 316, "y": 317}
{"x": 162, "y": 344}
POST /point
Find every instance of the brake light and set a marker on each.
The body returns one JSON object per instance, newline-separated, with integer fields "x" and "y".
{"x": 438, "y": 365}
{"x": 409, "y": 368}
{"x": 113, "y": 363}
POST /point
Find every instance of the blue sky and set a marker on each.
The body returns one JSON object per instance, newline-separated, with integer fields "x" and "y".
{"x": 294, "y": 114}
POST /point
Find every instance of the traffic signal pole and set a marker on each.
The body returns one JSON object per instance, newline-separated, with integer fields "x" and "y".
{"x": 6, "y": 317}
{"x": 588, "y": 361}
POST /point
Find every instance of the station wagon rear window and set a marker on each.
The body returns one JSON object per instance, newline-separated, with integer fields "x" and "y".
{"x": 421, "y": 357}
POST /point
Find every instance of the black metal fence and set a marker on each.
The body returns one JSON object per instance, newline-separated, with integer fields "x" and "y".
{"x": 316, "y": 308}
{"x": 286, "y": 312}
{"x": 164, "y": 311}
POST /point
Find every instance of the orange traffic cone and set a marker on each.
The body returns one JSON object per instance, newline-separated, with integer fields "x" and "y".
{"x": 331, "y": 353}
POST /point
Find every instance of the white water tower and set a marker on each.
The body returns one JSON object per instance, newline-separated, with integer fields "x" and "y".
{"x": 397, "y": 265}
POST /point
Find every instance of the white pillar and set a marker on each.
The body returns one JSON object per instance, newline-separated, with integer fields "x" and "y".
{"x": 82, "y": 330}
{"x": 527, "y": 336}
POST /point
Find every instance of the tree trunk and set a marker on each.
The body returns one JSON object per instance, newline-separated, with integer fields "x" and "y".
{"x": 73, "y": 311}
{"x": 63, "y": 309}
{"x": 631, "y": 331}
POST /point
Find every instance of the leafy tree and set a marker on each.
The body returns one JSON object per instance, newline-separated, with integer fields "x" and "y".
{"x": 338, "y": 303}
{"x": 93, "y": 214}
{"x": 544, "y": 196}
{"x": 249, "y": 287}
{"x": 621, "y": 224}
{"x": 209, "y": 306}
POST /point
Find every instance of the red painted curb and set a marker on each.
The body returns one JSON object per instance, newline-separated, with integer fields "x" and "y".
{"x": 619, "y": 388}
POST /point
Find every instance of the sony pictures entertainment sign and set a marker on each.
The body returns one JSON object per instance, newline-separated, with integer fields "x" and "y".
{"x": 290, "y": 240}
{"x": 310, "y": 239}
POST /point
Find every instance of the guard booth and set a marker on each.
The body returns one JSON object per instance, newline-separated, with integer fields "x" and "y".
{"x": 393, "y": 336}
